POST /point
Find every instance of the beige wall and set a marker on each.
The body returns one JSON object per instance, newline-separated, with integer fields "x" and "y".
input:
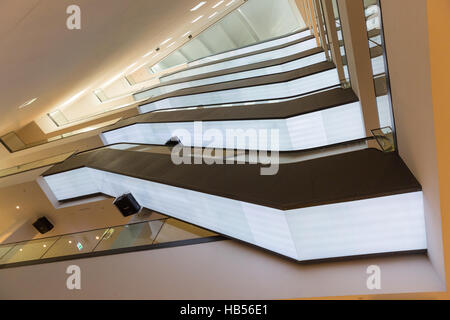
{"x": 219, "y": 270}
{"x": 418, "y": 49}
{"x": 83, "y": 141}
{"x": 233, "y": 270}
{"x": 406, "y": 31}
{"x": 31, "y": 133}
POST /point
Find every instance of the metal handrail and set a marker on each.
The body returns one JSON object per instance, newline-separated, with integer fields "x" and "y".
{"x": 43, "y": 258}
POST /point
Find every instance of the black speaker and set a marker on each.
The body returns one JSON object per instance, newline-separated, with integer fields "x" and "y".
{"x": 127, "y": 205}
{"x": 172, "y": 142}
{"x": 43, "y": 225}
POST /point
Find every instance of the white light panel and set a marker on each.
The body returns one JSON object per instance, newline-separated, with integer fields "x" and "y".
{"x": 289, "y": 66}
{"x": 384, "y": 112}
{"x": 264, "y": 92}
{"x": 239, "y": 62}
{"x": 378, "y": 225}
{"x": 378, "y": 66}
{"x": 252, "y": 48}
{"x": 316, "y": 129}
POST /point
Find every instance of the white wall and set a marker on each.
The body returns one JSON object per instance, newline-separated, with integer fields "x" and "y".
{"x": 406, "y": 31}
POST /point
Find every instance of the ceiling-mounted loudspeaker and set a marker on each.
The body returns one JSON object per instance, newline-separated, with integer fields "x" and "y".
{"x": 172, "y": 142}
{"x": 127, "y": 205}
{"x": 43, "y": 225}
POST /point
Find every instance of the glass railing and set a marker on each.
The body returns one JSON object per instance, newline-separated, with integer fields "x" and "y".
{"x": 35, "y": 164}
{"x": 280, "y": 90}
{"x": 146, "y": 235}
{"x": 239, "y": 62}
{"x": 277, "y": 69}
{"x": 270, "y": 70}
{"x": 252, "y": 48}
{"x": 322, "y": 16}
{"x": 254, "y": 22}
{"x": 315, "y": 129}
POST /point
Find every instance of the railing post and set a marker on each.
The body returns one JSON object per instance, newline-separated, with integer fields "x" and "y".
{"x": 322, "y": 28}
{"x": 301, "y": 8}
{"x": 353, "y": 25}
{"x": 309, "y": 5}
{"x": 333, "y": 39}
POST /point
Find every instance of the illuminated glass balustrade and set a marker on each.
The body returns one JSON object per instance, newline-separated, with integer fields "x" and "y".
{"x": 255, "y": 93}
{"x": 375, "y": 225}
{"x": 285, "y": 67}
{"x": 239, "y": 62}
{"x": 144, "y": 235}
{"x": 253, "y": 48}
{"x": 316, "y": 129}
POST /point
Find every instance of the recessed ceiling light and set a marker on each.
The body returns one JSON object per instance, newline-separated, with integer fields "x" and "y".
{"x": 72, "y": 99}
{"x": 218, "y": 4}
{"x": 27, "y": 103}
{"x": 117, "y": 76}
{"x": 21, "y": 250}
{"x": 213, "y": 15}
{"x": 230, "y": 3}
{"x": 137, "y": 68}
{"x": 147, "y": 54}
{"x": 195, "y": 20}
{"x": 165, "y": 41}
{"x": 70, "y": 241}
{"x": 130, "y": 66}
{"x": 45, "y": 246}
{"x": 186, "y": 34}
{"x": 201, "y": 4}
{"x": 17, "y": 207}
{"x": 97, "y": 237}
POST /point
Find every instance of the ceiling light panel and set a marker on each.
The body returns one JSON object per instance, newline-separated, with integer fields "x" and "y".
{"x": 26, "y": 104}
{"x": 218, "y": 4}
{"x": 165, "y": 41}
{"x": 196, "y": 19}
{"x": 147, "y": 54}
{"x": 201, "y": 4}
{"x": 230, "y": 3}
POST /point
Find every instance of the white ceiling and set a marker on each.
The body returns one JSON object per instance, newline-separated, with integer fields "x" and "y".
{"x": 40, "y": 57}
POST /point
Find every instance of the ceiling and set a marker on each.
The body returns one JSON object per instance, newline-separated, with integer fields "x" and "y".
{"x": 41, "y": 58}
{"x": 22, "y": 204}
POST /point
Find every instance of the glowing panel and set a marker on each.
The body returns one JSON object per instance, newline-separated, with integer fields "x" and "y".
{"x": 289, "y": 66}
{"x": 325, "y": 127}
{"x": 252, "y": 48}
{"x": 264, "y": 92}
{"x": 239, "y": 62}
{"x": 384, "y": 112}
{"x": 377, "y": 225}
